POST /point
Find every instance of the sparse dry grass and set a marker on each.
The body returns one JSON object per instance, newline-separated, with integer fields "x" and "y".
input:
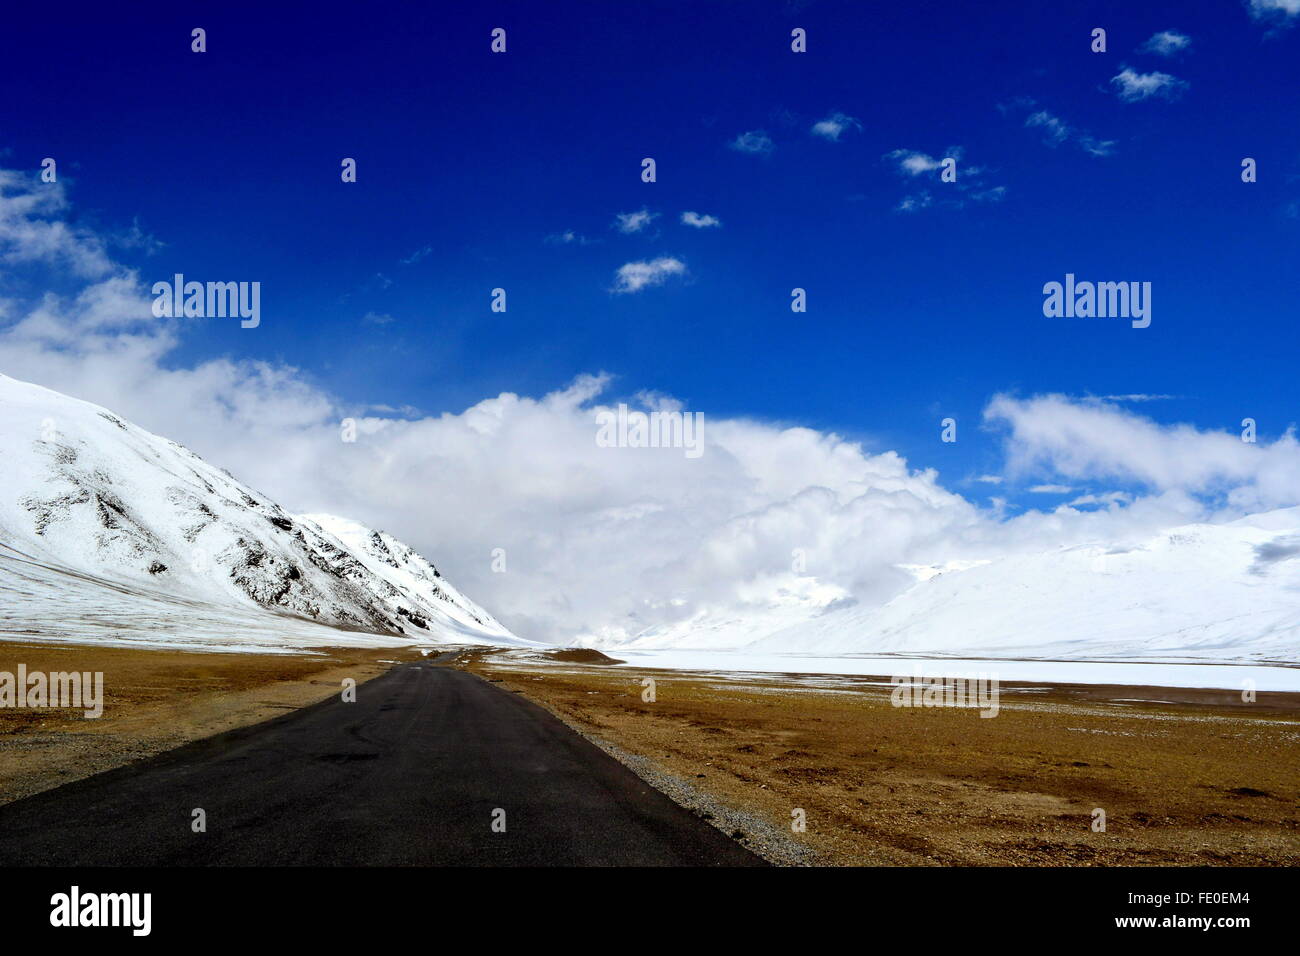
{"x": 1201, "y": 780}
{"x": 155, "y": 700}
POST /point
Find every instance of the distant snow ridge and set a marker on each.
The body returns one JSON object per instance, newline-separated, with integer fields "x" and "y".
{"x": 1201, "y": 592}
{"x": 85, "y": 495}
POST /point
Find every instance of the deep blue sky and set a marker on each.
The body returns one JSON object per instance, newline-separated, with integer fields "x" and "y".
{"x": 231, "y": 160}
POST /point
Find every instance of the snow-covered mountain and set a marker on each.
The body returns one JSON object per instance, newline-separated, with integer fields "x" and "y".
{"x": 91, "y": 504}
{"x": 1204, "y": 592}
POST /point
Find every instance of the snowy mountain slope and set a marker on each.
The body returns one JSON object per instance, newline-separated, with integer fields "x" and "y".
{"x": 84, "y": 492}
{"x": 1226, "y": 592}
{"x": 51, "y": 604}
{"x": 406, "y": 571}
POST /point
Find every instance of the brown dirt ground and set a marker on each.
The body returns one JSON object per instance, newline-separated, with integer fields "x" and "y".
{"x": 155, "y": 700}
{"x": 1186, "y": 777}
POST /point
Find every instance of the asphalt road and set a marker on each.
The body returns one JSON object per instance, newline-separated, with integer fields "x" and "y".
{"x": 409, "y": 774}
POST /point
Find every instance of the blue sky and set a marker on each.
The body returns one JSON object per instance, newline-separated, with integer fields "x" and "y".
{"x": 470, "y": 164}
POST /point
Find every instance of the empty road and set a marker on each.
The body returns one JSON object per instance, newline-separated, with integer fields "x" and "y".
{"x": 413, "y": 773}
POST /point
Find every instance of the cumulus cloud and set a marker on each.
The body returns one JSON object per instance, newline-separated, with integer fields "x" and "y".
{"x": 1132, "y": 87}
{"x": 608, "y": 541}
{"x": 32, "y": 229}
{"x": 834, "y": 126}
{"x": 1098, "y": 441}
{"x": 1169, "y": 43}
{"x": 1278, "y": 11}
{"x": 700, "y": 220}
{"x": 755, "y": 141}
{"x": 635, "y": 276}
{"x": 630, "y": 222}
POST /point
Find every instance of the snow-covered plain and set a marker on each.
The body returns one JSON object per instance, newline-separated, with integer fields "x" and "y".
{"x": 111, "y": 533}
{"x": 1166, "y": 673}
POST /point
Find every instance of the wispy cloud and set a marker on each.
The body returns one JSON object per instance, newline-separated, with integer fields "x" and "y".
{"x": 1109, "y": 499}
{"x": 635, "y": 276}
{"x": 913, "y": 162}
{"x": 630, "y": 222}
{"x": 136, "y": 238}
{"x": 755, "y": 141}
{"x": 31, "y": 232}
{"x": 568, "y": 238}
{"x": 1051, "y": 490}
{"x": 377, "y": 318}
{"x": 970, "y": 183}
{"x": 1057, "y": 131}
{"x": 834, "y": 126}
{"x": 1132, "y": 87}
{"x": 1137, "y": 397}
{"x": 915, "y": 202}
{"x": 700, "y": 220}
{"x": 1168, "y": 43}
{"x": 417, "y": 255}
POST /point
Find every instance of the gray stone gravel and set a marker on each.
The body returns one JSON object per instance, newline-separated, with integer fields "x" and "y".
{"x": 770, "y": 842}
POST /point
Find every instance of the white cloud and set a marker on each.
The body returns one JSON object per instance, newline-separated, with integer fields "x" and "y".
{"x": 613, "y": 540}
{"x": 568, "y": 238}
{"x": 1050, "y": 489}
{"x": 915, "y": 202}
{"x": 417, "y": 255}
{"x": 1169, "y": 42}
{"x": 1097, "y": 441}
{"x": 913, "y": 162}
{"x": 968, "y": 185}
{"x": 1274, "y": 9}
{"x": 700, "y": 220}
{"x": 834, "y": 126}
{"x": 1108, "y": 499}
{"x": 1131, "y": 86}
{"x": 1057, "y": 131}
{"x": 33, "y": 232}
{"x": 635, "y": 276}
{"x": 630, "y": 222}
{"x": 755, "y": 141}
{"x": 377, "y": 318}
{"x": 1053, "y": 127}
{"x": 1138, "y": 397}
